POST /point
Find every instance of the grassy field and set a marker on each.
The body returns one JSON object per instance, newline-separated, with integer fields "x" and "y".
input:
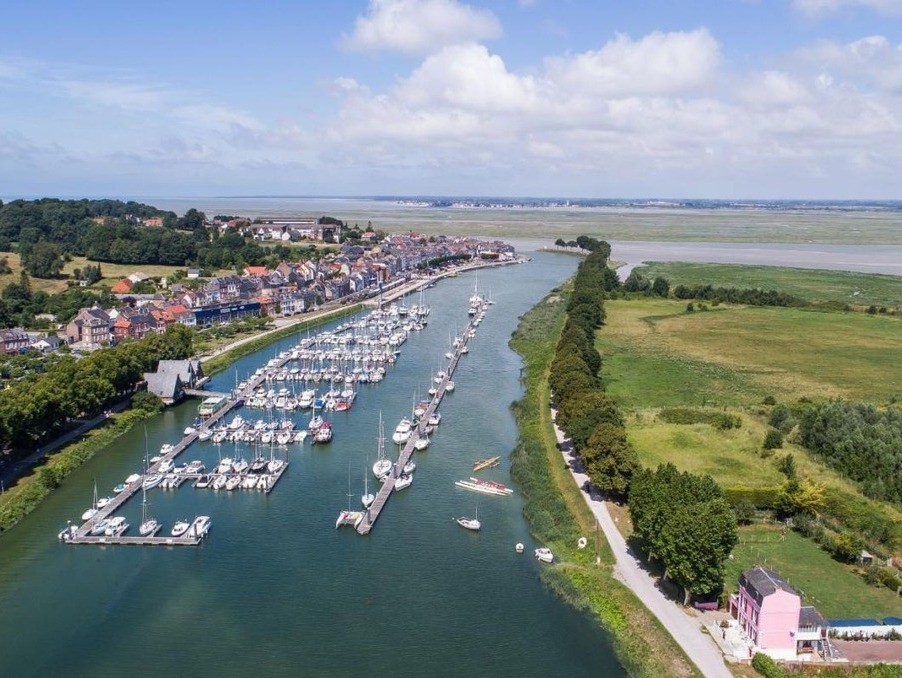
{"x": 111, "y": 273}
{"x": 831, "y": 587}
{"x": 812, "y": 285}
{"x": 655, "y": 354}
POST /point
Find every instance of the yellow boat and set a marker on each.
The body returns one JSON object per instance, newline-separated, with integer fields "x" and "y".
{"x": 486, "y": 463}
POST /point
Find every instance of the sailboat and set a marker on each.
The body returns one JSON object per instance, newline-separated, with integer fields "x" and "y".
{"x": 470, "y": 523}
{"x": 91, "y": 512}
{"x": 368, "y": 497}
{"x": 149, "y": 526}
{"x": 382, "y": 466}
{"x": 349, "y": 517}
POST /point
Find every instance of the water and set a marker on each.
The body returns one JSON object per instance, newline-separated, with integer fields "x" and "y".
{"x": 276, "y": 590}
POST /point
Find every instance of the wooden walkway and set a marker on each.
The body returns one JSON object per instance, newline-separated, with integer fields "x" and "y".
{"x": 375, "y": 509}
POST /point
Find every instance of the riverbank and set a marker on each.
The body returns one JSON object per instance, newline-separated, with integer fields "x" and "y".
{"x": 558, "y": 516}
{"x": 18, "y": 501}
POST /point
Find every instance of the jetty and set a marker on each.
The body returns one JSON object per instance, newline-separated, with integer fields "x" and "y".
{"x": 388, "y": 486}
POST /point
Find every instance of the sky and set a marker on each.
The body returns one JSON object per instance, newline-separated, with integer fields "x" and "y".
{"x": 564, "y": 98}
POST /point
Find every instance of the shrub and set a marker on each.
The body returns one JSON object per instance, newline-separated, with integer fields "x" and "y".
{"x": 773, "y": 440}
{"x": 759, "y": 497}
{"x": 147, "y": 402}
{"x": 769, "y": 400}
{"x": 686, "y": 415}
{"x": 767, "y": 667}
{"x": 745, "y": 512}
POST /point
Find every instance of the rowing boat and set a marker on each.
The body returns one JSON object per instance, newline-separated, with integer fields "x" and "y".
{"x": 486, "y": 463}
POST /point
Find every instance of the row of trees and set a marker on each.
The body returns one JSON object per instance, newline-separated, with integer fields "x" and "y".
{"x": 860, "y": 441}
{"x": 734, "y": 295}
{"x": 684, "y": 521}
{"x": 39, "y": 407}
{"x": 584, "y": 412}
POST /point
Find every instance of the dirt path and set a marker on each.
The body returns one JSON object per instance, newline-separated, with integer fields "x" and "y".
{"x": 686, "y": 631}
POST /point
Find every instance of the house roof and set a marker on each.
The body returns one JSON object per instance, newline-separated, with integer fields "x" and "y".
{"x": 762, "y": 582}
{"x": 809, "y": 616}
{"x": 122, "y": 286}
{"x": 163, "y": 384}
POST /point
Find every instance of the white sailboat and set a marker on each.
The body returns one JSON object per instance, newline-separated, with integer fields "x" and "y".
{"x": 382, "y": 466}
{"x": 91, "y": 512}
{"x": 368, "y": 497}
{"x": 470, "y": 523}
{"x": 149, "y": 526}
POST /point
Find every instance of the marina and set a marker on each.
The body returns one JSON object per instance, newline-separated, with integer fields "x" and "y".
{"x": 274, "y": 564}
{"x": 355, "y": 353}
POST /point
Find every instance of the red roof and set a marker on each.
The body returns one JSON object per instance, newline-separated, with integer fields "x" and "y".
{"x": 256, "y": 270}
{"x": 122, "y": 287}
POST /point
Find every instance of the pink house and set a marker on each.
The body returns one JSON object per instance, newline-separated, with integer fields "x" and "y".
{"x": 771, "y": 615}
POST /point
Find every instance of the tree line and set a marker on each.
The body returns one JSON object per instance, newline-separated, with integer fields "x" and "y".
{"x": 41, "y": 406}
{"x": 860, "y": 441}
{"x": 48, "y": 231}
{"x": 682, "y": 520}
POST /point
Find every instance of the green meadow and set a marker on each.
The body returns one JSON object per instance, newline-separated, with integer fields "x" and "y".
{"x": 843, "y": 287}
{"x": 656, "y": 354}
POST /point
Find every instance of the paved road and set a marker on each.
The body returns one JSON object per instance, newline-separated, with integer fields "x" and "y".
{"x": 685, "y": 630}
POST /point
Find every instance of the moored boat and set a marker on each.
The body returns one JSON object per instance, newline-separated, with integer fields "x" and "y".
{"x": 544, "y": 555}
{"x": 179, "y": 529}
{"x": 490, "y": 462}
{"x": 199, "y": 527}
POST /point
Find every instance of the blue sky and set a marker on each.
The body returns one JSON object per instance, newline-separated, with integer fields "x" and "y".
{"x": 733, "y": 98}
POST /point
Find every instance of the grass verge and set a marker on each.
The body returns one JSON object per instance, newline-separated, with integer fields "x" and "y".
{"x": 21, "y": 499}
{"x": 558, "y": 516}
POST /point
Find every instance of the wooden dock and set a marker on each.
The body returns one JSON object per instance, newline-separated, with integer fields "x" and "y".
{"x": 375, "y": 509}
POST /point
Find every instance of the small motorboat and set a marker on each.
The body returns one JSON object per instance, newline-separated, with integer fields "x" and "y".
{"x": 544, "y": 555}
{"x": 115, "y": 526}
{"x": 152, "y": 480}
{"x": 121, "y": 487}
{"x": 199, "y": 527}
{"x": 519, "y": 548}
{"x": 409, "y": 468}
{"x": 100, "y": 527}
{"x": 421, "y": 443}
{"x": 179, "y": 529}
{"x": 403, "y": 481}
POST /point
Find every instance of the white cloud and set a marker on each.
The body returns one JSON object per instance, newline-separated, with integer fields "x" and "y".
{"x": 657, "y": 63}
{"x": 665, "y": 104}
{"x": 821, "y": 7}
{"x": 420, "y": 26}
{"x": 872, "y": 62}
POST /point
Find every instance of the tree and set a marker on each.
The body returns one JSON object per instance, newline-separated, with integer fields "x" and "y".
{"x": 787, "y": 466}
{"x": 581, "y": 414}
{"x": 44, "y": 260}
{"x": 660, "y": 287}
{"x": 560, "y": 242}
{"x": 745, "y": 512}
{"x": 695, "y": 543}
{"x": 610, "y": 459}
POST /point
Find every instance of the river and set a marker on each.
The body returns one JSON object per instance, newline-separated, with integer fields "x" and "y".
{"x": 275, "y": 589}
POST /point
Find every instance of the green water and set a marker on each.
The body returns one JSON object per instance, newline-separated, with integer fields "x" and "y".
{"x": 276, "y": 590}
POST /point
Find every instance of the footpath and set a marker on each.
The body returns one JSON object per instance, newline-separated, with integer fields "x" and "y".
{"x": 686, "y": 631}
